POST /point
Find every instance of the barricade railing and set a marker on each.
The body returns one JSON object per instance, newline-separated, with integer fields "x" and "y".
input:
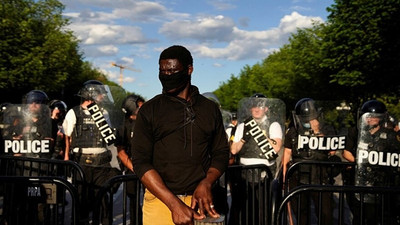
{"x": 318, "y": 172}
{"x": 41, "y": 167}
{"x": 27, "y": 166}
{"x": 249, "y": 188}
{"x": 34, "y": 200}
{"x": 382, "y": 200}
{"x": 250, "y": 194}
{"x": 115, "y": 193}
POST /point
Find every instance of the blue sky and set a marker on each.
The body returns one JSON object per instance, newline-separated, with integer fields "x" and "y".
{"x": 223, "y": 35}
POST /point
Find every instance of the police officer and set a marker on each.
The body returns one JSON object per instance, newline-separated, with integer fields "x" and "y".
{"x": 130, "y": 107}
{"x": 257, "y": 140}
{"x": 374, "y": 139}
{"x": 307, "y": 122}
{"x": 84, "y": 127}
{"x": 35, "y": 125}
{"x": 249, "y": 143}
{"x": 58, "y": 111}
{"x": 30, "y": 136}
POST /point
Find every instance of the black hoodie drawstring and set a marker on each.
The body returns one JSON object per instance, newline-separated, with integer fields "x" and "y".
{"x": 189, "y": 118}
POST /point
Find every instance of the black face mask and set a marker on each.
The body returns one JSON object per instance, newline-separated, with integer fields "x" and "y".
{"x": 175, "y": 80}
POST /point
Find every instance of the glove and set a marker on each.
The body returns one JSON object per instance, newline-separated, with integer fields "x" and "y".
{"x": 246, "y": 133}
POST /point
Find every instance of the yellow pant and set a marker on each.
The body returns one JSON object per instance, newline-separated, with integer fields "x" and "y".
{"x": 155, "y": 212}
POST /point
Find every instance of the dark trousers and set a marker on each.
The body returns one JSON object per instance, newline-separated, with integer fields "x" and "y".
{"x": 96, "y": 176}
{"x": 307, "y": 206}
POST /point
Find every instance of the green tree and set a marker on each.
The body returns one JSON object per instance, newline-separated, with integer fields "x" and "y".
{"x": 37, "y": 51}
{"x": 362, "y": 43}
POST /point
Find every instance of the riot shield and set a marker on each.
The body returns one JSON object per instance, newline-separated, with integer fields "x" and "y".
{"x": 262, "y": 121}
{"x": 226, "y": 115}
{"x": 108, "y": 115}
{"x": 26, "y": 130}
{"x": 318, "y": 133}
{"x": 378, "y": 156}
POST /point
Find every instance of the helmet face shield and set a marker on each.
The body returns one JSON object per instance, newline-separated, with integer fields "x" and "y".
{"x": 260, "y": 107}
{"x": 97, "y": 93}
{"x": 306, "y": 110}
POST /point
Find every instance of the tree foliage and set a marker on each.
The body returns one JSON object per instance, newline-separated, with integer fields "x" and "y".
{"x": 37, "y": 51}
{"x": 352, "y": 57}
{"x": 362, "y": 43}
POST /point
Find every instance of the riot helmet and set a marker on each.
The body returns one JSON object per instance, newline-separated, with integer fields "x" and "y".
{"x": 306, "y": 109}
{"x": 130, "y": 105}
{"x": 36, "y": 96}
{"x": 91, "y": 90}
{"x": 212, "y": 97}
{"x": 60, "y": 106}
{"x": 373, "y": 106}
{"x": 373, "y": 109}
{"x": 258, "y": 100}
{"x": 234, "y": 116}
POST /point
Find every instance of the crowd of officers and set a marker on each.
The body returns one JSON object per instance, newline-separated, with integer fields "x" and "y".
{"x": 257, "y": 134}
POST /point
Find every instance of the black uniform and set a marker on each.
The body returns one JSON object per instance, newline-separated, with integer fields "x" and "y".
{"x": 124, "y": 138}
{"x": 369, "y": 174}
{"x": 305, "y": 177}
{"x": 97, "y": 167}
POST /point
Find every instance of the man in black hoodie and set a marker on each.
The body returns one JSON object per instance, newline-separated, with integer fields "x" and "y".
{"x": 179, "y": 147}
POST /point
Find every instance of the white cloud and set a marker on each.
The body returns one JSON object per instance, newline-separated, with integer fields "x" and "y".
{"x": 217, "y": 28}
{"x": 216, "y": 37}
{"x": 221, "y": 4}
{"x": 127, "y": 60}
{"x": 108, "y": 34}
{"x": 108, "y": 49}
{"x": 240, "y": 44}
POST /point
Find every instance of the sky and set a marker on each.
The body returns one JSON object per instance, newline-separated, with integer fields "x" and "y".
{"x": 223, "y": 35}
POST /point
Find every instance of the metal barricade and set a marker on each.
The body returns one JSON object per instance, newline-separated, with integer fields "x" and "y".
{"x": 18, "y": 166}
{"x": 383, "y": 209}
{"x": 113, "y": 201}
{"x": 250, "y": 194}
{"x": 317, "y": 172}
{"x": 248, "y": 188}
{"x": 26, "y": 166}
{"x": 33, "y": 200}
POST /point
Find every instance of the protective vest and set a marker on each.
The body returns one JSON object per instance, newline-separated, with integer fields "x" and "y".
{"x": 85, "y": 133}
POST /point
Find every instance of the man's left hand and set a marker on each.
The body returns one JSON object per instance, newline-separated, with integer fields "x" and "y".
{"x": 202, "y": 199}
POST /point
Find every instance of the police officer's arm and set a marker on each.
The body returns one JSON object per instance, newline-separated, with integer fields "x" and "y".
{"x": 124, "y": 158}
{"x": 68, "y": 125}
{"x": 287, "y": 154}
{"x": 275, "y": 136}
{"x": 276, "y": 143}
{"x": 348, "y": 155}
{"x": 67, "y": 147}
{"x": 237, "y": 142}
